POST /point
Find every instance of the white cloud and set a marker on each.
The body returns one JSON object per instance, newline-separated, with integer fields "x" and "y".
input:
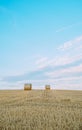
{"x": 62, "y": 77}
{"x": 65, "y": 72}
{"x": 71, "y": 53}
{"x": 71, "y": 44}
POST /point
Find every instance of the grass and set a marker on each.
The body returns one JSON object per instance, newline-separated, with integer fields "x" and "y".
{"x": 40, "y": 110}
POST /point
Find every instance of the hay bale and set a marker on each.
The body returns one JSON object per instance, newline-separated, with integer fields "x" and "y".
{"x": 27, "y": 87}
{"x": 47, "y": 87}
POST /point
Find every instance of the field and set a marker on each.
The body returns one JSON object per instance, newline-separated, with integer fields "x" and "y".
{"x": 40, "y": 110}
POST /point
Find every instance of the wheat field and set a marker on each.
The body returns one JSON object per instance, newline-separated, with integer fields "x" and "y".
{"x": 40, "y": 110}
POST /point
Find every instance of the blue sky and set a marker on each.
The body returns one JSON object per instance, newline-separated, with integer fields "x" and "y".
{"x": 41, "y": 43}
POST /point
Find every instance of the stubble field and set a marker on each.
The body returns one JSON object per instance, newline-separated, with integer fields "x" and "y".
{"x": 40, "y": 110}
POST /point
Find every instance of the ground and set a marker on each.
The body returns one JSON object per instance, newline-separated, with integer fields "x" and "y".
{"x": 40, "y": 110}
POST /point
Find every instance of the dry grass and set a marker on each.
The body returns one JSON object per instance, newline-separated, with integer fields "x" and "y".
{"x": 40, "y": 110}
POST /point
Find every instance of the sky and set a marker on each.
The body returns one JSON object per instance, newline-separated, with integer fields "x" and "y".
{"x": 41, "y": 43}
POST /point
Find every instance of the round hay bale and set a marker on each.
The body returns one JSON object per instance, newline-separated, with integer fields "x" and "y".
{"x": 27, "y": 87}
{"x": 47, "y": 87}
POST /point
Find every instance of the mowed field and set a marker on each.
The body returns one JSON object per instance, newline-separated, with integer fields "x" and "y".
{"x": 40, "y": 110}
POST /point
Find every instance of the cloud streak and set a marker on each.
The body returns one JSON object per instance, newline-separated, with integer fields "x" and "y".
{"x": 71, "y": 53}
{"x": 65, "y": 72}
{"x": 72, "y": 43}
{"x": 68, "y": 27}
